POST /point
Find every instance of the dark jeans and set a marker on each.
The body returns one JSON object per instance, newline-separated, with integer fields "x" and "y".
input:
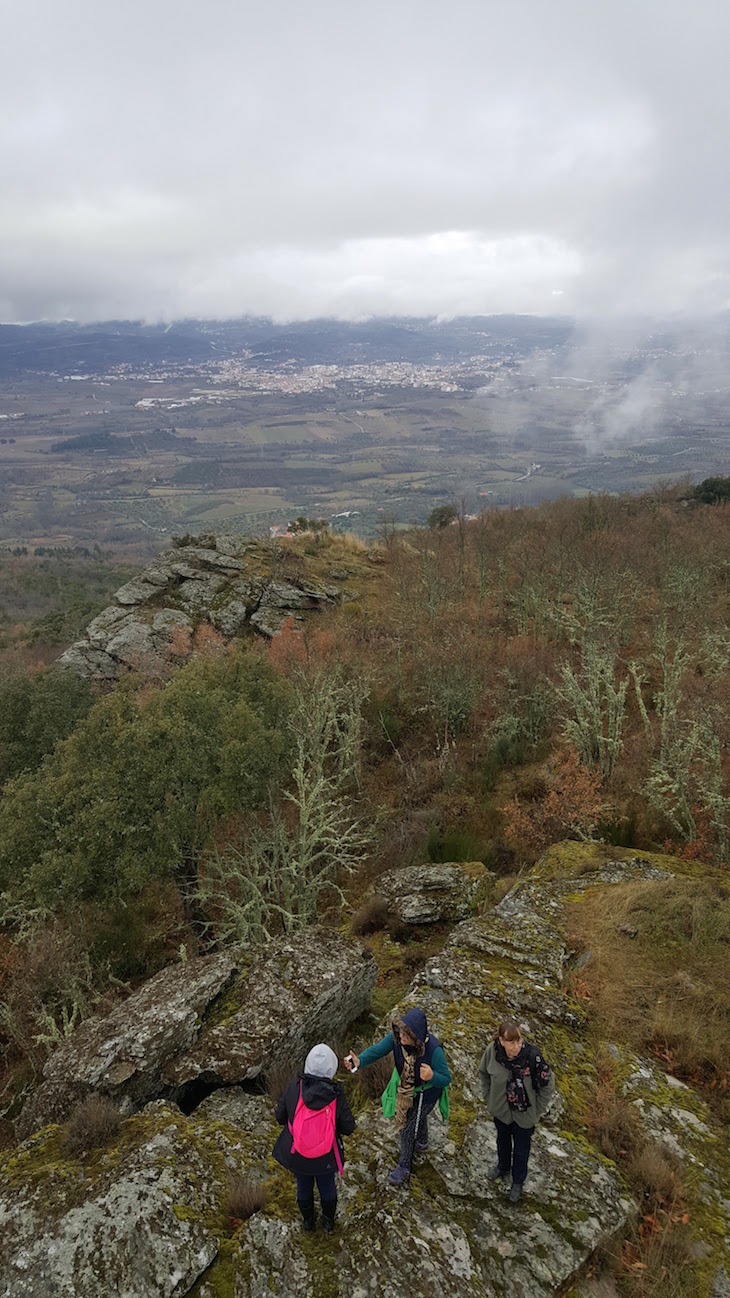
{"x": 507, "y": 1133}
{"x": 325, "y": 1184}
{"x": 409, "y": 1135}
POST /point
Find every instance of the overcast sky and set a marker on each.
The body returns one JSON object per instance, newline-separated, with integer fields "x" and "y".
{"x": 298, "y": 158}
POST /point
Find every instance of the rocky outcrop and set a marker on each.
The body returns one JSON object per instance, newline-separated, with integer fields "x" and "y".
{"x": 298, "y": 991}
{"x": 235, "y": 583}
{"x": 145, "y": 1220}
{"x": 451, "y": 1231}
{"x": 208, "y": 1022}
{"x": 430, "y": 894}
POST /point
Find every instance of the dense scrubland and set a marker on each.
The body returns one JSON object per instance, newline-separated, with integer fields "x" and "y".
{"x": 48, "y": 595}
{"x": 499, "y": 684}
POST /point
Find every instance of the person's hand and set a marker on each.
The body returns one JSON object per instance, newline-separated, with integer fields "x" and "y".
{"x": 351, "y": 1061}
{"x": 426, "y": 1072}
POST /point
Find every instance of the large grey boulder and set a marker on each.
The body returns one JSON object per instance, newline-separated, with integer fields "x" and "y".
{"x": 138, "y": 591}
{"x": 297, "y": 991}
{"x": 122, "y": 1055}
{"x": 223, "y": 1019}
{"x": 427, "y": 894}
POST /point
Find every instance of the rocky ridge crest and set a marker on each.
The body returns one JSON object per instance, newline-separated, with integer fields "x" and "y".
{"x": 235, "y": 583}
{"x": 152, "y": 1207}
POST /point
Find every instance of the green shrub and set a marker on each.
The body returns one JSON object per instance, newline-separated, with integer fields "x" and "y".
{"x": 135, "y": 792}
{"x": 36, "y": 711}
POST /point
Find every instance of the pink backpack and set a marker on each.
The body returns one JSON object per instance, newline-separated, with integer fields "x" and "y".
{"x": 313, "y": 1131}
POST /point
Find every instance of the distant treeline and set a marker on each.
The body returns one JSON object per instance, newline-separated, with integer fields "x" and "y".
{"x": 62, "y": 552}
{"x": 156, "y": 439}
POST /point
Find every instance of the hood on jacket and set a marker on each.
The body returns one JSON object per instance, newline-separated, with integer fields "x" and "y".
{"x": 321, "y": 1062}
{"x": 317, "y": 1092}
{"x": 415, "y": 1021}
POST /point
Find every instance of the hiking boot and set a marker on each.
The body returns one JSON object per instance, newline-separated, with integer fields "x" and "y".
{"x": 308, "y": 1218}
{"x": 515, "y": 1192}
{"x": 496, "y": 1173}
{"x": 329, "y": 1209}
{"x": 421, "y": 1147}
{"x": 399, "y": 1175}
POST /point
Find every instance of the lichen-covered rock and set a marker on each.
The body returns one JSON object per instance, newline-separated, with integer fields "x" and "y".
{"x": 297, "y": 991}
{"x": 197, "y": 594}
{"x": 138, "y": 591}
{"x": 241, "y": 1125}
{"x": 141, "y": 1220}
{"x": 269, "y": 621}
{"x": 428, "y": 894}
{"x": 226, "y": 581}
{"x": 223, "y": 1019}
{"x": 123, "y": 1054}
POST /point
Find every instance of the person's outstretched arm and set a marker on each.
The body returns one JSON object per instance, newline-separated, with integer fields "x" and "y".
{"x": 378, "y": 1051}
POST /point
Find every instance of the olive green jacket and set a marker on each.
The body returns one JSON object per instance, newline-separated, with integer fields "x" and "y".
{"x": 493, "y": 1078}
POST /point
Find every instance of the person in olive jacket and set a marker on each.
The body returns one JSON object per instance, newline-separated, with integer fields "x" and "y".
{"x": 316, "y": 1088}
{"x": 517, "y": 1085}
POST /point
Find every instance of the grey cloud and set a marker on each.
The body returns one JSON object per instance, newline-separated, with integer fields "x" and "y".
{"x": 301, "y": 158}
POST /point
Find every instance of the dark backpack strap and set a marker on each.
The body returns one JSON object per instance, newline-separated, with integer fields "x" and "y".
{"x": 535, "y": 1054}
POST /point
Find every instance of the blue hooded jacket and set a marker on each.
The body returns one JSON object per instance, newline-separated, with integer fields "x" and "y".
{"x": 433, "y": 1054}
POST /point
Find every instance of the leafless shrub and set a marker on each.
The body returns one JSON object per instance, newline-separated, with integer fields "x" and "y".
{"x": 372, "y": 916}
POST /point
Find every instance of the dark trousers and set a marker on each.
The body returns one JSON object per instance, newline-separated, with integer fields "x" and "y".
{"x": 326, "y": 1185}
{"x": 513, "y": 1149}
{"x": 409, "y": 1136}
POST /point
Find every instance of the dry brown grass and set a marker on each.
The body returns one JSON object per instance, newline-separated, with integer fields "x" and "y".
{"x": 245, "y": 1198}
{"x": 94, "y": 1122}
{"x": 278, "y": 1077}
{"x": 371, "y": 917}
{"x": 614, "y": 1123}
{"x": 665, "y": 989}
{"x": 654, "y": 1259}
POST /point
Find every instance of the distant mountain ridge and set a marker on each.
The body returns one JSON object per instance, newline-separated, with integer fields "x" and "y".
{"x": 69, "y": 348}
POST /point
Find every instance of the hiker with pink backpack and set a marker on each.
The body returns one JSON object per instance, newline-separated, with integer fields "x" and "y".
{"x": 315, "y": 1116}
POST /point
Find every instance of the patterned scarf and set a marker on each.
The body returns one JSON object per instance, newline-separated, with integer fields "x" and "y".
{"x": 529, "y": 1062}
{"x": 404, "y": 1094}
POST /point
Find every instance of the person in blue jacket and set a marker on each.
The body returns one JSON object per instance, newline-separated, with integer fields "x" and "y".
{"x": 423, "y": 1074}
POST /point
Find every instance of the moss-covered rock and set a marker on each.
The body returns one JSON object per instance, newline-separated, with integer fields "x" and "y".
{"x": 141, "y": 1219}
{"x": 430, "y": 894}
